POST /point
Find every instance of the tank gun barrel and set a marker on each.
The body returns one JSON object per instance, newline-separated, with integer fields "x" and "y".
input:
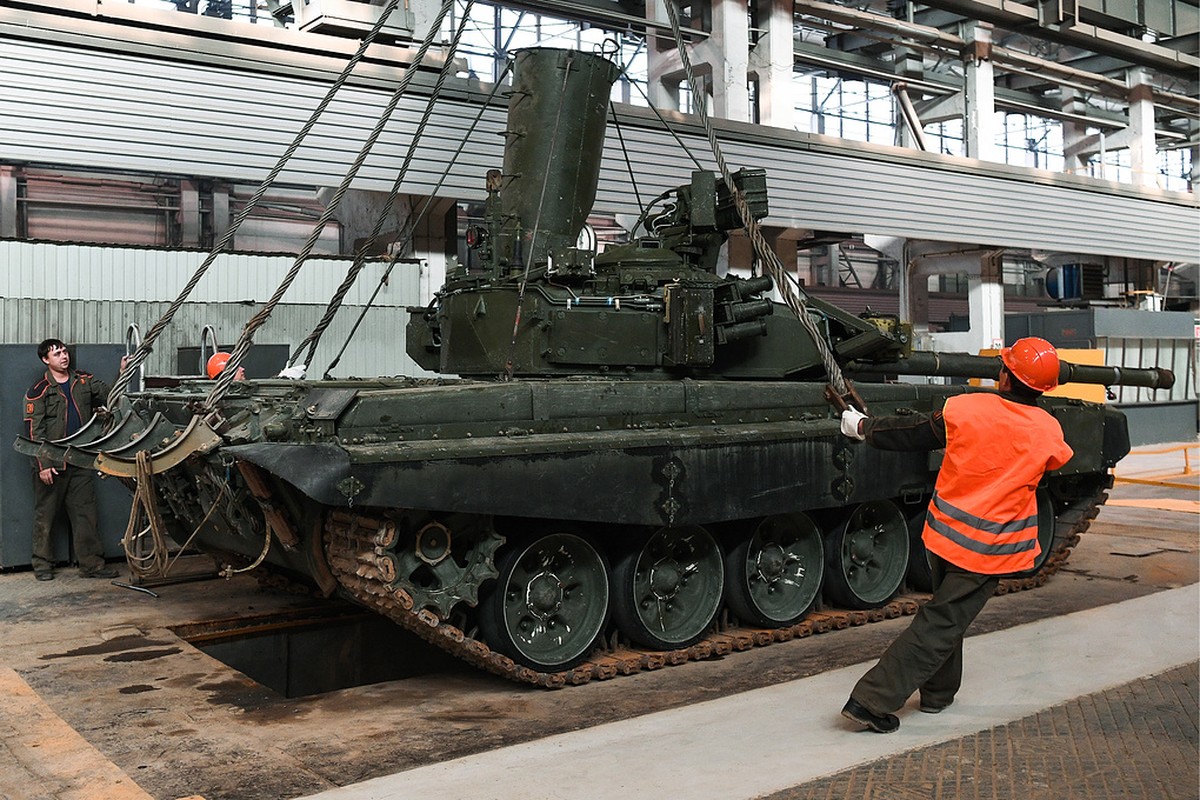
{"x": 962, "y": 365}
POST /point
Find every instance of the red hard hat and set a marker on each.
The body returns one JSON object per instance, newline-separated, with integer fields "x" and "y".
{"x": 216, "y": 363}
{"x": 1033, "y": 361}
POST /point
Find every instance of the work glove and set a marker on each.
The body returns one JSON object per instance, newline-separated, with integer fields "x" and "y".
{"x": 851, "y": 417}
{"x": 295, "y": 373}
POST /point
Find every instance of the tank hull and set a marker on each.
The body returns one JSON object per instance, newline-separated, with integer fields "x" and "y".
{"x": 413, "y": 498}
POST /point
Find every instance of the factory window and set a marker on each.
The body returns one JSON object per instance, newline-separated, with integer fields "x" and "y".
{"x": 494, "y": 32}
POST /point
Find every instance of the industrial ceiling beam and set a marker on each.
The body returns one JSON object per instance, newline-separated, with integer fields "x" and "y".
{"x": 1015, "y": 16}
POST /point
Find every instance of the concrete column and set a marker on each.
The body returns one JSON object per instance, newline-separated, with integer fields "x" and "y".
{"x": 727, "y": 53}
{"x": 771, "y": 63}
{"x": 188, "y": 216}
{"x": 985, "y": 299}
{"x": 913, "y": 283}
{"x": 357, "y": 213}
{"x": 724, "y": 57}
{"x": 433, "y": 243}
{"x": 1143, "y": 153}
{"x": 1194, "y": 178}
{"x": 221, "y": 218}
{"x": 1077, "y": 143}
{"x": 985, "y": 293}
{"x": 979, "y": 89}
{"x": 8, "y": 201}
{"x": 664, "y": 69}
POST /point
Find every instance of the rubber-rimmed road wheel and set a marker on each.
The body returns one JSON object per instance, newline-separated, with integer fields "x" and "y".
{"x": 866, "y": 556}
{"x": 773, "y": 577}
{"x": 549, "y": 604}
{"x": 668, "y": 588}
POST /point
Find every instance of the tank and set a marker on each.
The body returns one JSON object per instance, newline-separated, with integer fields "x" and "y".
{"x": 631, "y": 460}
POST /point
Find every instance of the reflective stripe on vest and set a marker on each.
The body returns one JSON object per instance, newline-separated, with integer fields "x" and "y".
{"x": 985, "y": 537}
{"x": 983, "y": 516}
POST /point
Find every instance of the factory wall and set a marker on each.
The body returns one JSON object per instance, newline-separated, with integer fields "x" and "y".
{"x": 91, "y": 294}
{"x": 191, "y": 105}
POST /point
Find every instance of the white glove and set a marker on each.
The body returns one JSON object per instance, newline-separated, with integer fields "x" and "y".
{"x": 851, "y": 417}
{"x": 295, "y": 373}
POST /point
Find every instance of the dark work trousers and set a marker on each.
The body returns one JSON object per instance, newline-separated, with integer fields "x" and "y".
{"x": 72, "y": 489}
{"x": 928, "y": 655}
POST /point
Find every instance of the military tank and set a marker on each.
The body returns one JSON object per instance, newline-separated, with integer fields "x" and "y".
{"x": 632, "y": 461}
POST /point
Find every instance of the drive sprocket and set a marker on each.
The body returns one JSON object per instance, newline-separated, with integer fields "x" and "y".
{"x": 441, "y": 560}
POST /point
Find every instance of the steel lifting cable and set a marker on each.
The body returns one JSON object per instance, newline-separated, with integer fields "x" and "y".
{"x": 227, "y": 376}
{"x": 144, "y": 349}
{"x": 410, "y": 228}
{"x": 764, "y": 251}
{"x": 360, "y": 257}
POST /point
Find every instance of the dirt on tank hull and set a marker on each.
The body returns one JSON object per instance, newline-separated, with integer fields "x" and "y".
{"x": 548, "y": 532}
{"x": 636, "y": 463}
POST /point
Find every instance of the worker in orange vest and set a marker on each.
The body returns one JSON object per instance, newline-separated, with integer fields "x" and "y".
{"x": 982, "y": 521}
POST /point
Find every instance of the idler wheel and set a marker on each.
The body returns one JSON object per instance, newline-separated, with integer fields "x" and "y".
{"x": 549, "y": 605}
{"x": 866, "y": 556}
{"x": 668, "y": 588}
{"x": 774, "y": 576}
{"x": 443, "y": 562}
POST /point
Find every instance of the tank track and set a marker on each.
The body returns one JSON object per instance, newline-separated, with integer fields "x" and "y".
{"x": 354, "y": 546}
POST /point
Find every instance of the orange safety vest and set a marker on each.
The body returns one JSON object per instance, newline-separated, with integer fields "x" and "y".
{"x": 983, "y": 515}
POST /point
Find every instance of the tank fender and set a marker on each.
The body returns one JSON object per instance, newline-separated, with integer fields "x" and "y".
{"x": 320, "y": 471}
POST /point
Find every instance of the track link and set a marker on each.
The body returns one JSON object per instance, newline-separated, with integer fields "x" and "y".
{"x": 355, "y": 549}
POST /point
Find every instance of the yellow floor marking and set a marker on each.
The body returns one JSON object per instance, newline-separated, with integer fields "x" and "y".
{"x": 1160, "y": 504}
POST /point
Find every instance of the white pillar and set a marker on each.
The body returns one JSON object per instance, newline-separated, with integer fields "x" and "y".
{"x": 8, "y": 201}
{"x": 1194, "y": 178}
{"x": 727, "y": 52}
{"x": 1078, "y": 145}
{"x": 724, "y": 56}
{"x": 664, "y": 69}
{"x": 1143, "y": 153}
{"x": 979, "y": 89}
{"x": 771, "y": 63}
{"x": 429, "y": 244}
{"x": 985, "y": 299}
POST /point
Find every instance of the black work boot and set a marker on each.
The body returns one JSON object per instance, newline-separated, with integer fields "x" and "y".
{"x": 931, "y": 707}
{"x": 880, "y": 723}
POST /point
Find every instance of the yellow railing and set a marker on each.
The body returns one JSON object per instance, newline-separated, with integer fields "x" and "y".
{"x": 1157, "y": 477}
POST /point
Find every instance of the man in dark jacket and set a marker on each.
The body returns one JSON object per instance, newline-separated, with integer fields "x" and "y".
{"x": 57, "y": 406}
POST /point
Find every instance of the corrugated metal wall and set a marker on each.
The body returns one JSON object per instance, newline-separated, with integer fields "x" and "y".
{"x": 88, "y": 294}
{"x": 66, "y": 104}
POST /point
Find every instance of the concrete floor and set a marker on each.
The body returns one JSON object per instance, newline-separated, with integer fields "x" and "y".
{"x": 102, "y": 698}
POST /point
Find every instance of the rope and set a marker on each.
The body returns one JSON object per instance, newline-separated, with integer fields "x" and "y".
{"x": 228, "y": 571}
{"x": 411, "y": 227}
{"x": 360, "y": 257}
{"x": 146, "y": 347}
{"x": 227, "y": 376}
{"x": 142, "y": 563}
{"x": 790, "y": 296}
{"x": 152, "y": 562}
